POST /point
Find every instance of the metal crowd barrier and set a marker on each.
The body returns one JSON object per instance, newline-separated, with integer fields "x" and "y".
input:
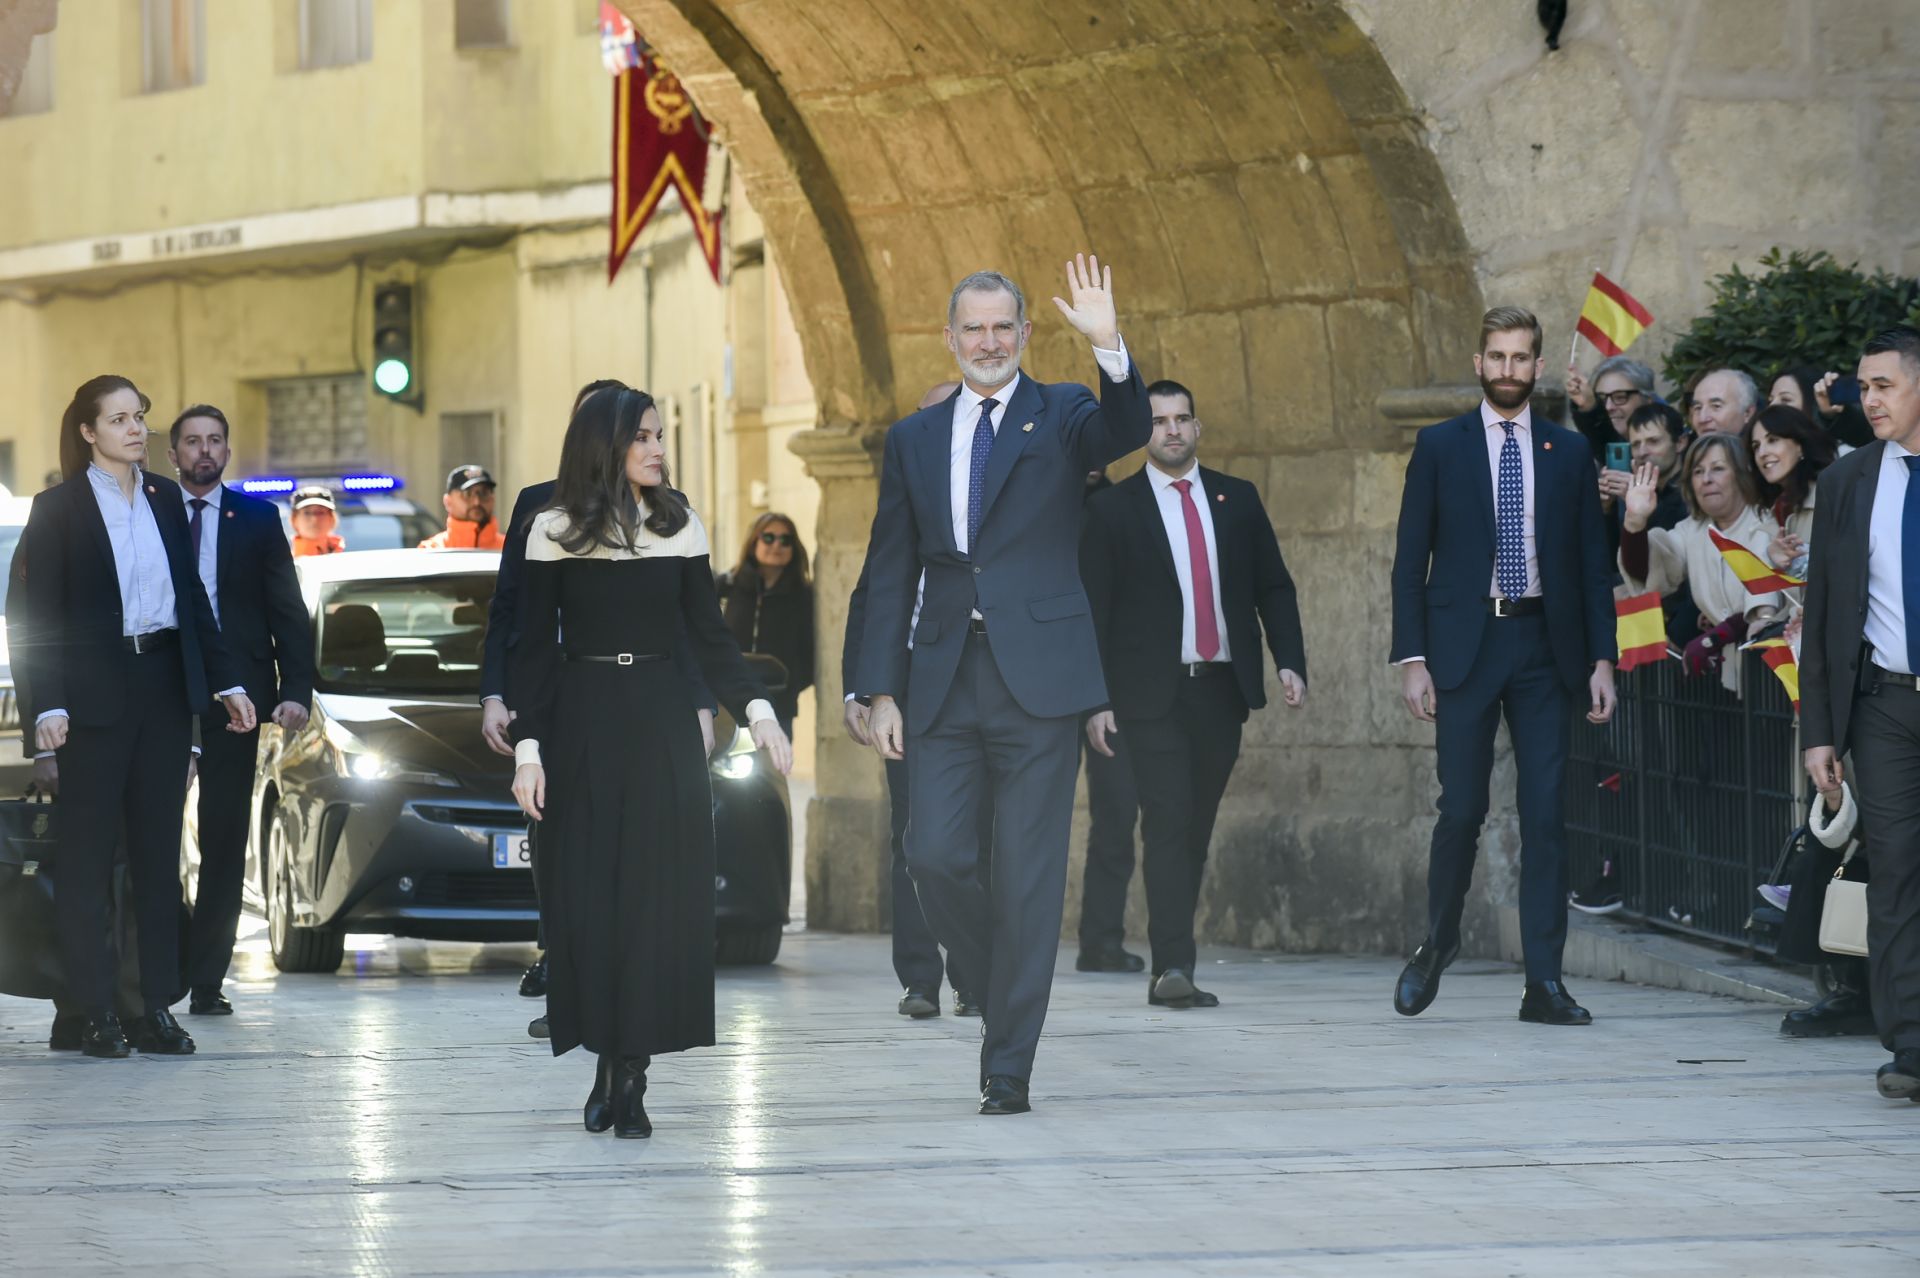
{"x": 1691, "y": 792}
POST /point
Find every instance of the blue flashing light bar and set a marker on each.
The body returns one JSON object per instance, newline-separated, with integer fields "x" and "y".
{"x": 351, "y": 484}
{"x": 257, "y": 486}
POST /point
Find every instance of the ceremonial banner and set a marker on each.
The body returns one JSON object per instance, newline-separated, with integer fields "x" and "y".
{"x": 1611, "y": 319}
{"x": 1758, "y": 576}
{"x": 659, "y": 141}
{"x": 1640, "y": 631}
{"x": 1778, "y": 654}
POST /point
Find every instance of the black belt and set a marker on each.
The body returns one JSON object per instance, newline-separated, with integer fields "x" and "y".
{"x": 152, "y": 641}
{"x": 1897, "y": 680}
{"x": 617, "y": 658}
{"x": 1500, "y": 606}
{"x": 978, "y": 625}
{"x": 1201, "y": 669}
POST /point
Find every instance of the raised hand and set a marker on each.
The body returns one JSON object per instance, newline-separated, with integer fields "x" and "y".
{"x": 1823, "y": 395}
{"x": 1643, "y": 494}
{"x": 1091, "y": 287}
{"x": 1577, "y": 389}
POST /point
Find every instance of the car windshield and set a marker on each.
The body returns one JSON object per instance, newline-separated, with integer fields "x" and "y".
{"x": 419, "y": 637}
{"x": 364, "y": 530}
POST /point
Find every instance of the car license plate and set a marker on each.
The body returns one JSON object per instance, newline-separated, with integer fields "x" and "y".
{"x": 512, "y": 852}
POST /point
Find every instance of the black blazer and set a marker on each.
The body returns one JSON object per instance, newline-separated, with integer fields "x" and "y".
{"x": 1127, "y": 564}
{"x": 73, "y": 606}
{"x": 778, "y": 623}
{"x": 1833, "y": 643}
{"x": 503, "y": 614}
{"x": 1443, "y": 559}
{"x": 263, "y": 619}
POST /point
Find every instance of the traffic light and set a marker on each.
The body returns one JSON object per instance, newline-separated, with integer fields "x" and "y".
{"x": 395, "y": 372}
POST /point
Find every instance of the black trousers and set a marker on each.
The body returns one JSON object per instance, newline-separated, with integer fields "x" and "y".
{"x": 1886, "y": 783}
{"x": 916, "y": 955}
{"x": 1181, "y": 764}
{"x": 227, "y": 765}
{"x": 983, "y": 747}
{"x": 1111, "y": 809}
{"x": 131, "y": 772}
{"x": 1514, "y": 674}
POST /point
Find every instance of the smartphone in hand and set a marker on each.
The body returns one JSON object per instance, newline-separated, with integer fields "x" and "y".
{"x": 1620, "y": 457}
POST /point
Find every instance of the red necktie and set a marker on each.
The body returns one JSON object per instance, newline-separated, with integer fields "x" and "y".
{"x": 1206, "y": 635}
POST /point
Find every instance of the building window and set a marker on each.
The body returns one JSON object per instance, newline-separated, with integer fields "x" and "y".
{"x": 173, "y": 44}
{"x": 35, "y": 92}
{"x": 482, "y": 24}
{"x": 469, "y": 439}
{"x": 317, "y": 425}
{"x": 335, "y": 33}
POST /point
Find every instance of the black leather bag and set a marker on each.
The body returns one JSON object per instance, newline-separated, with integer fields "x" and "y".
{"x": 29, "y": 939}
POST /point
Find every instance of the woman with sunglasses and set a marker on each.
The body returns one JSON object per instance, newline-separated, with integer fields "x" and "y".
{"x": 768, "y": 600}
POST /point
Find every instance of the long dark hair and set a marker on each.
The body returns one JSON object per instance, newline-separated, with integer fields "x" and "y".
{"x": 749, "y": 567}
{"x": 1817, "y": 451}
{"x": 592, "y": 485}
{"x": 75, "y": 452}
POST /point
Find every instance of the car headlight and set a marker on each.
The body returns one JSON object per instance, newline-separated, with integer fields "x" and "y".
{"x": 737, "y": 763}
{"x": 352, "y": 758}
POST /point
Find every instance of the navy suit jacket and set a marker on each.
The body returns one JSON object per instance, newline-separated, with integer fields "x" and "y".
{"x": 1443, "y": 560}
{"x": 1024, "y": 575}
{"x": 262, "y": 615}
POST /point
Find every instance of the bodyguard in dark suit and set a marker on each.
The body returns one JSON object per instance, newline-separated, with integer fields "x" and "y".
{"x": 126, "y": 651}
{"x": 982, "y": 496}
{"x": 1859, "y": 658}
{"x": 1183, "y": 572}
{"x": 246, "y": 566}
{"x": 1501, "y": 606}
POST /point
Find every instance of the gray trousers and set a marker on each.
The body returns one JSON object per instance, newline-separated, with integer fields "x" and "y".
{"x": 983, "y": 748}
{"x": 1886, "y": 783}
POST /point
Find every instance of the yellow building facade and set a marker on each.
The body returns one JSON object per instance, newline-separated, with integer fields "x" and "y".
{"x": 203, "y": 195}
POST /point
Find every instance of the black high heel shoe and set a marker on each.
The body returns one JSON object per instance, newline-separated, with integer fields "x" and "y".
{"x": 629, "y": 1087}
{"x": 598, "y": 1111}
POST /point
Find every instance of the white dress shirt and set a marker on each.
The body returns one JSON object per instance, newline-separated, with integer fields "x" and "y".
{"x": 1496, "y": 440}
{"x": 1886, "y": 626}
{"x": 209, "y": 542}
{"x": 1174, "y": 519}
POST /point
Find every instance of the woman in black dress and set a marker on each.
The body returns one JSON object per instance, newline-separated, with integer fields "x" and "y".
{"x": 768, "y": 602}
{"x": 609, "y": 755}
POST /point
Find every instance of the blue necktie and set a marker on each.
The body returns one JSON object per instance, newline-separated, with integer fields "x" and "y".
{"x": 1509, "y": 543}
{"x": 977, "y": 469}
{"x": 1910, "y": 563}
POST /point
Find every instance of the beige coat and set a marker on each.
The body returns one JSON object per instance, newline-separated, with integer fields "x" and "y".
{"x": 1685, "y": 554}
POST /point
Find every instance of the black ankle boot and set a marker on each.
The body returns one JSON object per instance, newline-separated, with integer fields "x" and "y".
{"x": 629, "y": 1088}
{"x": 598, "y": 1112}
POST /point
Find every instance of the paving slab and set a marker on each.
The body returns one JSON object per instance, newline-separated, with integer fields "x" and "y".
{"x": 394, "y": 1119}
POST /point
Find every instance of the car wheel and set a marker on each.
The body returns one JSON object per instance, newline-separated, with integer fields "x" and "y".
{"x": 295, "y": 948}
{"x": 746, "y": 946}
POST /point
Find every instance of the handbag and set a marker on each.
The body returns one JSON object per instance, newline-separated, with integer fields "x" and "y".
{"x": 1843, "y": 916}
{"x": 29, "y": 938}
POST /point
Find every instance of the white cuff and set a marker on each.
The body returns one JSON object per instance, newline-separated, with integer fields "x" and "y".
{"x": 45, "y": 754}
{"x": 1114, "y": 363}
{"x": 760, "y": 711}
{"x": 196, "y": 752}
{"x": 45, "y": 715}
{"x": 526, "y": 751}
{"x": 1407, "y": 661}
{"x": 231, "y": 692}
{"x": 853, "y": 696}
{"x": 493, "y": 696}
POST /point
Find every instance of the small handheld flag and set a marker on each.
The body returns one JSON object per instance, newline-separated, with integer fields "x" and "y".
{"x": 1611, "y": 318}
{"x": 1759, "y": 577}
{"x": 1640, "y": 631}
{"x": 1778, "y": 654}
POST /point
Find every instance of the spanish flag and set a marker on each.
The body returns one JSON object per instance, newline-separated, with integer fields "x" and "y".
{"x": 1758, "y": 576}
{"x": 1778, "y": 654}
{"x": 1640, "y": 629}
{"x": 1611, "y": 318}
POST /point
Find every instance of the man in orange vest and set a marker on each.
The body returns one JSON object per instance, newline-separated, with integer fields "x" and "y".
{"x": 315, "y": 516}
{"x": 470, "y": 522}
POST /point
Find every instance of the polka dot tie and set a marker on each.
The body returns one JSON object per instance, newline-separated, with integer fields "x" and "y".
{"x": 977, "y": 470}
{"x": 1509, "y": 543}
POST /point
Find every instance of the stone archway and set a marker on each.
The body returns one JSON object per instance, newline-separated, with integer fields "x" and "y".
{"x": 1282, "y": 242}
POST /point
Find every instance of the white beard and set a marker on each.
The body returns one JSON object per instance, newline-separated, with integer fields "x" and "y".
{"x": 979, "y": 377}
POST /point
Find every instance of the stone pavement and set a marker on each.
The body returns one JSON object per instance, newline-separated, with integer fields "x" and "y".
{"x": 393, "y": 1119}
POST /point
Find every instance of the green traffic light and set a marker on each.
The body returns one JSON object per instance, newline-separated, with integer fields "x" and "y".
{"x": 392, "y": 376}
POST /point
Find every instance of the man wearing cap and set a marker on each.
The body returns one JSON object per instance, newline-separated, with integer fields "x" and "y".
{"x": 315, "y": 516}
{"x": 469, "y": 503}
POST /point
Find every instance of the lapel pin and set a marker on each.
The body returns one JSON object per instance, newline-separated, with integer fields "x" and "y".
{"x": 1027, "y": 427}
{"x": 152, "y": 489}
{"x": 1220, "y": 497}
{"x": 1548, "y": 445}
{"x": 229, "y": 514}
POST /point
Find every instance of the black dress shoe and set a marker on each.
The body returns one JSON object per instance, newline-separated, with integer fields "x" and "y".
{"x": 630, "y": 1120}
{"x": 965, "y": 1004}
{"x": 1548, "y": 1003}
{"x": 1004, "y": 1094}
{"x": 158, "y": 1034}
{"x": 533, "y": 981}
{"x": 537, "y": 1028}
{"x": 1420, "y": 979}
{"x": 209, "y": 1003}
{"x": 67, "y": 1032}
{"x": 919, "y": 1004}
{"x": 1111, "y": 958}
{"x": 598, "y": 1111}
{"x": 1899, "y": 1078}
{"x": 1846, "y": 1011}
{"x": 104, "y": 1037}
{"x": 1175, "y": 988}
